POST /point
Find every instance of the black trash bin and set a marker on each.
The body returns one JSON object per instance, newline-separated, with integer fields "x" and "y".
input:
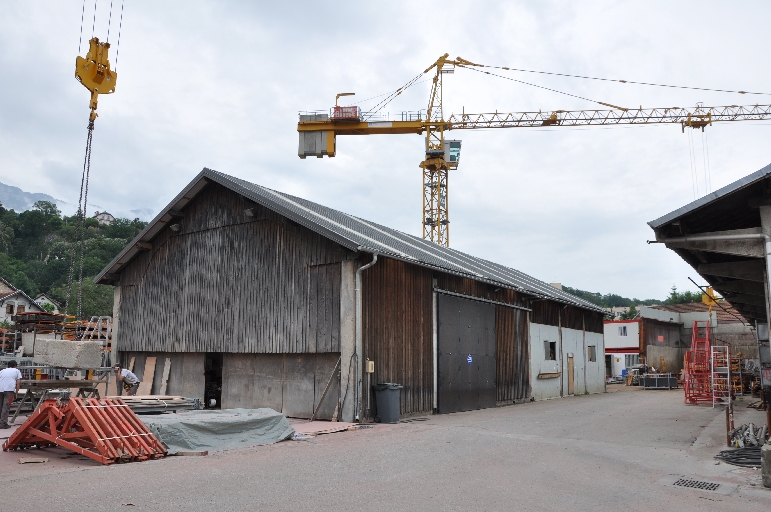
{"x": 387, "y": 400}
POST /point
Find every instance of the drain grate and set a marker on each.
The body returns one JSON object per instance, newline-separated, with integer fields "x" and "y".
{"x": 696, "y": 484}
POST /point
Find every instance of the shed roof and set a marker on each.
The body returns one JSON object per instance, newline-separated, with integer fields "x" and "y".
{"x": 704, "y": 206}
{"x": 725, "y": 313}
{"x": 736, "y": 276}
{"x": 353, "y": 233}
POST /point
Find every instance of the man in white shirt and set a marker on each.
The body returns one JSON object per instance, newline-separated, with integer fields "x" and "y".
{"x": 126, "y": 380}
{"x": 10, "y": 381}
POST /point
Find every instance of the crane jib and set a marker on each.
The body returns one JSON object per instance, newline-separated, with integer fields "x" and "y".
{"x": 318, "y": 131}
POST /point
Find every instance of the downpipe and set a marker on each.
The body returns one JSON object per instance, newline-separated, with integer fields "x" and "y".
{"x": 359, "y": 349}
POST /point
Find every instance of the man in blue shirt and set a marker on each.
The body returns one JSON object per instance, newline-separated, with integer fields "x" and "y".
{"x": 126, "y": 380}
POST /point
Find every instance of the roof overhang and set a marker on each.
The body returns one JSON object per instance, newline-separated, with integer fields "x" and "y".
{"x": 721, "y": 236}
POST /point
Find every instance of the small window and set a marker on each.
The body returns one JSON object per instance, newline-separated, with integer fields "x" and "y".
{"x": 592, "y": 353}
{"x": 9, "y": 309}
{"x": 622, "y": 330}
{"x": 550, "y": 350}
{"x": 631, "y": 360}
{"x": 20, "y": 309}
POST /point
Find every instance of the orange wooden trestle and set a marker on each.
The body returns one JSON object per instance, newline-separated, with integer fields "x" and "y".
{"x": 103, "y": 429}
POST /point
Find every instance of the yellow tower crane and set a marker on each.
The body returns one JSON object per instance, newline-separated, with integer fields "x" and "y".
{"x": 318, "y": 131}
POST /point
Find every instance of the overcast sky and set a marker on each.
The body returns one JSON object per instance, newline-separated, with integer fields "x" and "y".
{"x": 220, "y": 84}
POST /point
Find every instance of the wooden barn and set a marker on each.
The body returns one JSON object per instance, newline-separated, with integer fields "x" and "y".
{"x": 261, "y": 299}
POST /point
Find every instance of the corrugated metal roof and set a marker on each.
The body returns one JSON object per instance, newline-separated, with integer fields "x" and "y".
{"x": 703, "y": 201}
{"x": 359, "y": 234}
{"x": 727, "y": 314}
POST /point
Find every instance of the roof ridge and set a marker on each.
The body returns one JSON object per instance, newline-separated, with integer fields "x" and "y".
{"x": 356, "y": 233}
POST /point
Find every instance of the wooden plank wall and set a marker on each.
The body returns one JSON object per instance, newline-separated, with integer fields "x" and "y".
{"x": 227, "y": 282}
{"x": 512, "y": 334}
{"x": 397, "y": 321}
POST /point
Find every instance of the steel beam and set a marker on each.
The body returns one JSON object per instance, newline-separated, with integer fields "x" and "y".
{"x": 750, "y": 270}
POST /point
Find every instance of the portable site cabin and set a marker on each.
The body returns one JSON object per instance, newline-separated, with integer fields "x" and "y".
{"x": 252, "y": 294}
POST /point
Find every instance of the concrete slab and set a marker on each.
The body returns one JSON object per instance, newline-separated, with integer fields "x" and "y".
{"x": 68, "y": 354}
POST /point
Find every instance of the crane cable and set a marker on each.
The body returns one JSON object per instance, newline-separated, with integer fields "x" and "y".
{"x": 385, "y": 101}
{"x": 80, "y": 231}
{"x": 623, "y": 81}
{"x": 540, "y": 87}
{"x": 80, "y": 228}
{"x": 694, "y": 173}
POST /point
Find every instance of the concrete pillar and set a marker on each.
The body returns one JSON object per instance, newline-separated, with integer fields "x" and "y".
{"x": 765, "y": 463}
{"x": 114, "y": 356}
{"x": 563, "y": 359}
{"x": 765, "y": 224}
{"x": 348, "y": 338}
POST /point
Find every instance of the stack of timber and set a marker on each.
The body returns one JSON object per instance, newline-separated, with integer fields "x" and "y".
{"x": 39, "y": 322}
{"x": 148, "y": 404}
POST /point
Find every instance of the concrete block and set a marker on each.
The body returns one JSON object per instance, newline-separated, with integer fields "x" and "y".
{"x": 765, "y": 462}
{"x": 28, "y": 342}
{"x": 68, "y": 354}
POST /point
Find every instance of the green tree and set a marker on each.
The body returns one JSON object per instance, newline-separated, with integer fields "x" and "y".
{"x": 37, "y": 247}
{"x": 631, "y": 314}
{"x": 685, "y": 297}
{"x": 47, "y": 306}
{"x": 97, "y": 298}
{"x": 47, "y": 208}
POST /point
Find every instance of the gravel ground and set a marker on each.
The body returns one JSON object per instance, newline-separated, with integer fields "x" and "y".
{"x": 596, "y": 452}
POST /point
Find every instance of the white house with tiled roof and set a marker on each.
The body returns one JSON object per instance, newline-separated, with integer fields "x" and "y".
{"x": 14, "y": 301}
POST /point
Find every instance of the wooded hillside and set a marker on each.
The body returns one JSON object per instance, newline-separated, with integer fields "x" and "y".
{"x": 36, "y": 248}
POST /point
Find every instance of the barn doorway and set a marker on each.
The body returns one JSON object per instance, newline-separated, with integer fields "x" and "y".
{"x": 213, "y": 380}
{"x": 571, "y": 375}
{"x": 465, "y": 354}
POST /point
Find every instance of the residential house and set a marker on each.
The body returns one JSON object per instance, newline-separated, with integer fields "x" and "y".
{"x": 14, "y": 301}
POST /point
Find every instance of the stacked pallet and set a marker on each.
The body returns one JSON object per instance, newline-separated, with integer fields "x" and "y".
{"x": 160, "y": 403}
{"x": 40, "y": 322}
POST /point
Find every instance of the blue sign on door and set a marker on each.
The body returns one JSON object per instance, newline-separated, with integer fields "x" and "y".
{"x": 468, "y": 359}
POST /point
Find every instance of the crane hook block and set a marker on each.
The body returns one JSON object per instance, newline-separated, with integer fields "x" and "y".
{"x": 94, "y": 72}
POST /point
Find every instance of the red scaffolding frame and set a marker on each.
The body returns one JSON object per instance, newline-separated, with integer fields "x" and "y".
{"x": 103, "y": 429}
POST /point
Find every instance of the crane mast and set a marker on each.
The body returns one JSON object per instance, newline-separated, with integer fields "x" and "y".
{"x": 318, "y": 132}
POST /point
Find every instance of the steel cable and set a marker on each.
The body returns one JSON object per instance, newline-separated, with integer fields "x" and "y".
{"x": 623, "y": 81}
{"x": 748, "y": 457}
{"x": 82, "y": 16}
{"x": 539, "y": 86}
{"x": 80, "y": 232}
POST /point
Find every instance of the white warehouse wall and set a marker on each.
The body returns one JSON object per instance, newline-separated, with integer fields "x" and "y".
{"x": 589, "y": 376}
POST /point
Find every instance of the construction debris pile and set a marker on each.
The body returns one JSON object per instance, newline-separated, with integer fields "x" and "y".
{"x": 748, "y": 435}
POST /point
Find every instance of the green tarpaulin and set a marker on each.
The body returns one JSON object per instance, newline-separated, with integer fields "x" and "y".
{"x": 218, "y": 430}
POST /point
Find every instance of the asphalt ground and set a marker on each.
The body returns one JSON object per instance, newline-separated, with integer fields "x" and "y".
{"x": 597, "y": 452}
